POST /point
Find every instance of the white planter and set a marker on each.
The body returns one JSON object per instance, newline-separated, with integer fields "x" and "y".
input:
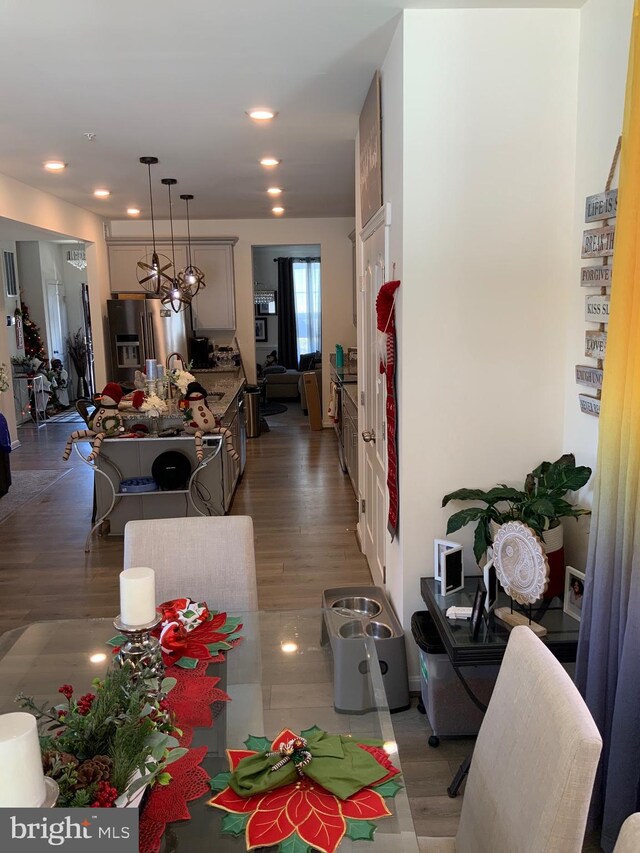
{"x": 552, "y": 540}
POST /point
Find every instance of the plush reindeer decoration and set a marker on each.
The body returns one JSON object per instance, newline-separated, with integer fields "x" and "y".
{"x": 105, "y": 421}
{"x": 200, "y": 419}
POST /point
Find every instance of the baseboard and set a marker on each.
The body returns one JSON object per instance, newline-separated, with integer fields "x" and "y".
{"x": 415, "y": 685}
{"x": 15, "y": 444}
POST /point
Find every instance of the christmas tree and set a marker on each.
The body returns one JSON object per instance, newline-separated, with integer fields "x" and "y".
{"x": 33, "y": 344}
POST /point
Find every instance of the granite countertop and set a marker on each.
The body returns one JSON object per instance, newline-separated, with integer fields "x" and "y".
{"x": 225, "y": 381}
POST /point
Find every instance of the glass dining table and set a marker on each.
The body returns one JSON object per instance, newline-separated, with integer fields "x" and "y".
{"x": 280, "y": 676}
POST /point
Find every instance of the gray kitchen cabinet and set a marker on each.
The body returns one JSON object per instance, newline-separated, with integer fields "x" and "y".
{"x": 350, "y": 438}
{"x": 231, "y": 468}
{"x": 214, "y": 306}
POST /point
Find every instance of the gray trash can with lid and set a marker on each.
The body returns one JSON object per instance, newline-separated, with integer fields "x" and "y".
{"x": 450, "y": 711}
{"x": 252, "y": 410}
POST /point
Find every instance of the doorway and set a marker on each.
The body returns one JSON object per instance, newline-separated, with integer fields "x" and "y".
{"x": 288, "y": 317}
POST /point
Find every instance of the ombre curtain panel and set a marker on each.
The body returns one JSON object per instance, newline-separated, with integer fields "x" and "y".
{"x": 608, "y": 666}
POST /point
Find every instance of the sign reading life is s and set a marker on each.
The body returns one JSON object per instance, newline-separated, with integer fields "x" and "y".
{"x": 601, "y": 206}
{"x": 597, "y": 309}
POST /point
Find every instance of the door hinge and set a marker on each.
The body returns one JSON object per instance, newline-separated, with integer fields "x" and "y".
{"x": 363, "y": 506}
{"x": 384, "y": 575}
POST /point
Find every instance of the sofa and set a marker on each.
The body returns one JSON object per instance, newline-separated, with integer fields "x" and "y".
{"x": 287, "y": 384}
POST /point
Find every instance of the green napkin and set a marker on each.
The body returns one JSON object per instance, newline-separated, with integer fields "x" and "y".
{"x": 338, "y": 764}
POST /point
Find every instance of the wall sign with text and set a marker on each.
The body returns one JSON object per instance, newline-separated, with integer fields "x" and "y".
{"x": 595, "y": 344}
{"x": 596, "y": 309}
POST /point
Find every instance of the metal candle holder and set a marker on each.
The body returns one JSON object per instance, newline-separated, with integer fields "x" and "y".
{"x": 141, "y": 653}
{"x": 52, "y": 793}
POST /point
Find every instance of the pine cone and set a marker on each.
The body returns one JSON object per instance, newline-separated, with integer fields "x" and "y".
{"x": 51, "y": 758}
{"x": 90, "y": 772}
{"x": 106, "y": 764}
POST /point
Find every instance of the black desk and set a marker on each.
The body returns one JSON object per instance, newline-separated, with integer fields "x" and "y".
{"x": 489, "y": 648}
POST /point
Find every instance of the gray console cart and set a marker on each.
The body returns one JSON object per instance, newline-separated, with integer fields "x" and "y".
{"x": 354, "y": 613}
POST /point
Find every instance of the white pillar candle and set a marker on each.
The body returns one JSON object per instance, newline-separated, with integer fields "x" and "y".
{"x": 137, "y": 596}
{"x": 22, "y": 778}
{"x": 150, "y": 368}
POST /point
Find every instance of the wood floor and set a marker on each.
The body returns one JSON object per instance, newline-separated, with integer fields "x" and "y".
{"x": 304, "y": 514}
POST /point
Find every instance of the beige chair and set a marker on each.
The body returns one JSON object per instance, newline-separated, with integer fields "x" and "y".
{"x": 209, "y": 559}
{"x": 534, "y": 762}
{"x": 629, "y": 838}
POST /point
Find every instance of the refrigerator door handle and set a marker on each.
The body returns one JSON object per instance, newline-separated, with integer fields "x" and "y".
{"x": 143, "y": 342}
{"x": 151, "y": 342}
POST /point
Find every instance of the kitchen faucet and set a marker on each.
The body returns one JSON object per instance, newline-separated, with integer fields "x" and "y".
{"x": 177, "y": 355}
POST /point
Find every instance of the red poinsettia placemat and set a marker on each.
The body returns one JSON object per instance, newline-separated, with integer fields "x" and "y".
{"x": 301, "y": 816}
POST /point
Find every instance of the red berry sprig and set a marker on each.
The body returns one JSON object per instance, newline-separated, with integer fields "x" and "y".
{"x": 66, "y": 690}
{"x": 106, "y": 795}
{"x": 84, "y": 704}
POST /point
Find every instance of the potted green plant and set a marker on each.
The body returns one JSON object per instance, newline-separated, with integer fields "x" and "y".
{"x": 540, "y": 504}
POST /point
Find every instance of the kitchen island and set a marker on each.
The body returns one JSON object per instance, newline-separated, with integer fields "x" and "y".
{"x": 210, "y": 483}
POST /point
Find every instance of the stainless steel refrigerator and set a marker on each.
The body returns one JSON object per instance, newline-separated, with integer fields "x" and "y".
{"x": 144, "y": 328}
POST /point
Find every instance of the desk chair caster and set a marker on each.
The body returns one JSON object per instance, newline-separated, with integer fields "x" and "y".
{"x": 434, "y": 741}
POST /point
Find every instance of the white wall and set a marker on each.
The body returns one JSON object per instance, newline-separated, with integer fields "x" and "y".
{"x": 479, "y": 160}
{"x": 605, "y": 27}
{"x": 337, "y": 273}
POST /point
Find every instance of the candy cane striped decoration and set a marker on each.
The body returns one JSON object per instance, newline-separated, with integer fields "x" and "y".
{"x": 76, "y": 435}
{"x": 97, "y": 444}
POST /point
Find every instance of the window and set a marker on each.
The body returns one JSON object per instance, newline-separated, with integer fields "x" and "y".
{"x": 307, "y": 294}
{"x": 10, "y": 273}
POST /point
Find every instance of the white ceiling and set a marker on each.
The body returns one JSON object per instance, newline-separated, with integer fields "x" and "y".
{"x": 172, "y": 78}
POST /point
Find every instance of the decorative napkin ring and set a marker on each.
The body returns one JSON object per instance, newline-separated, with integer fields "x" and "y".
{"x": 294, "y": 751}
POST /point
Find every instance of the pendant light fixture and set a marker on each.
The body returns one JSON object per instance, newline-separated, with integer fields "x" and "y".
{"x": 154, "y": 271}
{"x": 190, "y": 278}
{"x": 173, "y": 293}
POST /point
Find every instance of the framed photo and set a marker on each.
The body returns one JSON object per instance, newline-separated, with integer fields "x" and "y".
{"x": 269, "y": 307}
{"x": 477, "y": 610}
{"x": 448, "y": 569}
{"x": 491, "y": 584}
{"x": 261, "y": 329}
{"x": 573, "y": 592}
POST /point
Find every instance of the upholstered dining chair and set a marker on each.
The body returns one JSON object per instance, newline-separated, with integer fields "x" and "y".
{"x": 534, "y": 762}
{"x": 629, "y": 838}
{"x": 210, "y": 559}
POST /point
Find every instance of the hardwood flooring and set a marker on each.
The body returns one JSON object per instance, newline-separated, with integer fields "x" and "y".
{"x": 304, "y": 514}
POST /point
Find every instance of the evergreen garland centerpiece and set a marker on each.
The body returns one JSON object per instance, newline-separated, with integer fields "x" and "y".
{"x": 103, "y": 747}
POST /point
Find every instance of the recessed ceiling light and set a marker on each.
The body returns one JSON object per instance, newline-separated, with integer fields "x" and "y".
{"x": 101, "y": 193}
{"x": 261, "y": 114}
{"x": 133, "y": 211}
{"x": 55, "y": 165}
{"x": 277, "y": 210}
{"x": 274, "y": 191}
{"x": 269, "y": 161}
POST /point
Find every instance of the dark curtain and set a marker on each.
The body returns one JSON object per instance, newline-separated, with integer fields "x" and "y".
{"x": 287, "y": 335}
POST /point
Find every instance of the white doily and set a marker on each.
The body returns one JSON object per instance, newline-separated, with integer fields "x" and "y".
{"x": 521, "y": 563}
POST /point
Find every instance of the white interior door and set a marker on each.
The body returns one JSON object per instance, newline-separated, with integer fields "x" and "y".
{"x": 57, "y": 321}
{"x": 374, "y": 262}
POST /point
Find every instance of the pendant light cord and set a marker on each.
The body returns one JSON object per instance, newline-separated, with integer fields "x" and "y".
{"x": 153, "y": 227}
{"x": 173, "y": 247}
{"x": 188, "y": 231}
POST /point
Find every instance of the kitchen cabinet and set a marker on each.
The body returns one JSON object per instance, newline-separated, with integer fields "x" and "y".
{"x": 232, "y": 469}
{"x": 214, "y": 307}
{"x": 350, "y": 436}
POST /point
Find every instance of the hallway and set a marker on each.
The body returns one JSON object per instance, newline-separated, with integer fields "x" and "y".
{"x": 303, "y": 508}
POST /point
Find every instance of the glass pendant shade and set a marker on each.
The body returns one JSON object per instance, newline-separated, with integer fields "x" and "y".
{"x": 154, "y": 271}
{"x": 191, "y": 278}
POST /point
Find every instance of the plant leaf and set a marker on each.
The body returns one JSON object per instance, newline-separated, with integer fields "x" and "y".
{"x": 175, "y": 754}
{"x": 258, "y": 744}
{"x": 464, "y": 517}
{"x": 360, "y": 830}
{"x": 481, "y": 539}
{"x": 234, "y": 824}
{"x": 117, "y": 640}
{"x": 220, "y": 781}
{"x": 168, "y": 684}
{"x": 464, "y": 495}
